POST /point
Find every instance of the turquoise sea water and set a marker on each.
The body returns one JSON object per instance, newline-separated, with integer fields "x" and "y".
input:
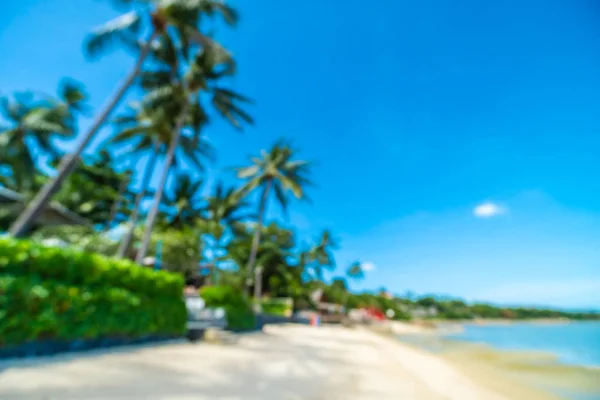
{"x": 575, "y": 343}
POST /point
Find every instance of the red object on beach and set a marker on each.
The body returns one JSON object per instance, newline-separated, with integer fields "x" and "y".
{"x": 375, "y": 314}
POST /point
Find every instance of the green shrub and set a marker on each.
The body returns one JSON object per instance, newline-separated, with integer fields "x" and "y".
{"x": 22, "y": 257}
{"x": 237, "y": 309}
{"x": 61, "y": 294}
{"x": 277, "y": 306}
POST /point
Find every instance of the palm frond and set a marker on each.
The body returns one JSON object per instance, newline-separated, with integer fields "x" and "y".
{"x": 36, "y": 121}
{"x": 231, "y": 112}
{"x": 247, "y": 172}
{"x": 281, "y": 198}
{"x": 154, "y": 79}
{"x": 73, "y": 94}
{"x": 121, "y": 29}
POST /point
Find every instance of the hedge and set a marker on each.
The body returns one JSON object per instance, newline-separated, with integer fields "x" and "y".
{"x": 238, "y": 310}
{"x": 22, "y": 257}
{"x": 58, "y": 294}
{"x": 277, "y": 306}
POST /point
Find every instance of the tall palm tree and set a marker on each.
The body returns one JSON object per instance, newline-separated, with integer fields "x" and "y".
{"x": 160, "y": 18}
{"x": 274, "y": 170}
{"x": 181, "y": 104}
{"x": 37, "y": 120}
{"x": 152, "y": 135}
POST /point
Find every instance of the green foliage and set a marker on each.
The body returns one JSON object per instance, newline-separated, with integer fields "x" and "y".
{"x": 181, "y": 250}
{"x": 277, "y": 306}
{"x": 35, "y": 309}
{"x": 62, "y": 294}
{"x": 278, "y": 169}
{"x": 22, "y": 257}
{"x": 184, "y": 201}
{"x": 281, "y": 277}
{"x": 94, "y": 190}
{"x": 83, "y": 238}
{"x": 320, "y": 256}
{"x": 237, "y": 308}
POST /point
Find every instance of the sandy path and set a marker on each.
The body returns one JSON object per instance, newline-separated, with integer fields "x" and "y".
{"x": 286, "y": 362}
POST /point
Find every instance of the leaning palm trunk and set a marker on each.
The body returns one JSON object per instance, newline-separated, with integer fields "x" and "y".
{"x": 256, "y": 238}
{"x": 70, "y": 161}
{"x": 125, "y": 243}
{"x": 161, "y": 185}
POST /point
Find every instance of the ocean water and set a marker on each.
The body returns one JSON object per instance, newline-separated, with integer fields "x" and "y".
{"x": 561, "y": 360}
{"x": 576, "y": 343}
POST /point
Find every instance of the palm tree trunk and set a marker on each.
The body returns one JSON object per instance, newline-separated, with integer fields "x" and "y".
{"x": 258, "y": 289}
{"x": 256, "y": 238}
{"x": 161, "y": 185}
{"x": 126, "y": 241}
{"x": 70, "y": 161}
{"x": 115, "y": 207}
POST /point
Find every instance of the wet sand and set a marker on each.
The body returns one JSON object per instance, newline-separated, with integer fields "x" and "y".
{"x": 519, "y": 375}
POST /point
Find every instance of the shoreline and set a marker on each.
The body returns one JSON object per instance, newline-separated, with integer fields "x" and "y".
{"x": 287, "y": 361}
{"x": 516, "y": 373}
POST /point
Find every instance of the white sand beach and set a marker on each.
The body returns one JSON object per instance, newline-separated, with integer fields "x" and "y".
{"x": 283, "y": 362}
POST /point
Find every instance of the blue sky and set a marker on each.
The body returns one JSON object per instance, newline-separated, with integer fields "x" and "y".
{"x": 416, "y": 113}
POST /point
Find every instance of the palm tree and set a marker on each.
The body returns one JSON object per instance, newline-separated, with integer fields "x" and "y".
{"x": 37, "y": 120}
{"x": 320, "y": 256}
{"x": 274, "y": 170}
{"x": 181, "y": 18}
{"x": 186, "y": 201}
{"x": 273, "y": 256}
{"x": 224, "y": 205}
{"x": 223, "y": 213}
{"x": 181, "y": 105}
{"x": 355, "y": 271}
{"x": 152, "y": 135}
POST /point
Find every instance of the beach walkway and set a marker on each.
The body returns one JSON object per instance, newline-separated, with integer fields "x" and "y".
{"x": 285, "y": 362}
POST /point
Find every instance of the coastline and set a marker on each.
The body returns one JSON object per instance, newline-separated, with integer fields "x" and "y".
{"x": 290, "y": 361}
{"x": 518, "y": 374}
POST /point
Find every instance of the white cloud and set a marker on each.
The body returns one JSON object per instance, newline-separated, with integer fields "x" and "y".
{"x": 486, "y": 210}
{"x": 368, "y": 266}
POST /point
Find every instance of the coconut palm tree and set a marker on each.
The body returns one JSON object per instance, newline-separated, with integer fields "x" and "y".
{"x": 355, "y": 271}
{"x": 225, "y": 205}
{"x": 274, "y": 255}
{"x": 223, "y": 214}
{"x": 277, "y": 171}
{"x": 320, "y": 256}
{"x": 37, "y": 121}
{"x": 159, "y": 18}
{"x": 186, "y": 201}
{"x": 152, "y": 135}
{"x": 181, "y": 104}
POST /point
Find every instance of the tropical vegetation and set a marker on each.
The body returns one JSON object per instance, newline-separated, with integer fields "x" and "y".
{"x": 62, "y": 294}
{"x": 148, "y": 200}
